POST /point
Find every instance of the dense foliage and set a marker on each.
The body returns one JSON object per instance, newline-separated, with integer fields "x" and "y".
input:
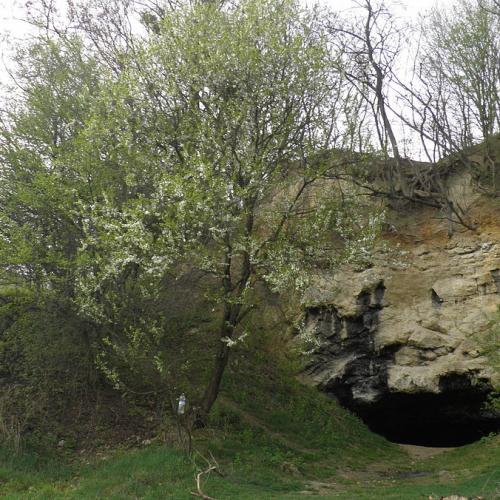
{"x": 195, "y": 162}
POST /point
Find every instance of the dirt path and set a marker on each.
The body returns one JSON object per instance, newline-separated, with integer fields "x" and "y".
{"x": 422, "y": 452}
{"x": 415, "y": 452}
{"x": 255, "y": 422}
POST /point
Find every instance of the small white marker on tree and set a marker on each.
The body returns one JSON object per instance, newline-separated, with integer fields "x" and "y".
{"x": 182, "y": 405}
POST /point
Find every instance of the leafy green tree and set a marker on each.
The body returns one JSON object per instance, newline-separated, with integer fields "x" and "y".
{"x": 216, "y": 128}
{"x": 46, "y": 360}
{"x": 196, "y": 149}
{"x": 39, "y": 232}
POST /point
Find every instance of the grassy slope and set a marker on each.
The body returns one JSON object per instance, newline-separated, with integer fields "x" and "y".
{"x": 274, "y": 439}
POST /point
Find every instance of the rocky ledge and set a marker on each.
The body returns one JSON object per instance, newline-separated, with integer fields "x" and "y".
{"x": 400, "y": 343}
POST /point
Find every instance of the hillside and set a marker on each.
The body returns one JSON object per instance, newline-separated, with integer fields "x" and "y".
{"x": 272, "y": 438}
{"x": 399, "y": 342}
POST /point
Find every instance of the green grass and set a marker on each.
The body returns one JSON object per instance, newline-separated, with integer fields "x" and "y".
{"x": 29, "y": 470}
{"x": 252, "y": 473}
{"x": 273, "y": 439}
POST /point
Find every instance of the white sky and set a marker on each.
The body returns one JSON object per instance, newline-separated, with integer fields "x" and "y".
{"x": 12, "y": 11}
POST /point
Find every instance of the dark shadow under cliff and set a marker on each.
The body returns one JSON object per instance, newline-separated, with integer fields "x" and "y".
{"x": 454, "y": 417}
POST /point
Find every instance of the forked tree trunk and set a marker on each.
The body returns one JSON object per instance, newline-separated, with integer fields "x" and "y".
{"x": 230, "y": 320}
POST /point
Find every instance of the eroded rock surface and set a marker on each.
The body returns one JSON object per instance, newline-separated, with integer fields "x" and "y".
{"x": 398, "y": 343}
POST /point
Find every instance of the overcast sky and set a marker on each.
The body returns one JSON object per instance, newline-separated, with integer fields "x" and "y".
{"x": 11, "y": 13}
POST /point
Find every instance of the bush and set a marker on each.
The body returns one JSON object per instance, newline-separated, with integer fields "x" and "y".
{"x": 46, "y": 367}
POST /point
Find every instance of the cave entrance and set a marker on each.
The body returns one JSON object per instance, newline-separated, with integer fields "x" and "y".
{"x": 454, "y": 418}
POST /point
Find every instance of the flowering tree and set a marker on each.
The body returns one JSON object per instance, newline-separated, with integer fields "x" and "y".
{"x": 202, "y": 150}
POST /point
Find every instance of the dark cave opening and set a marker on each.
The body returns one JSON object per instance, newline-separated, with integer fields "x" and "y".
{"x": 455, "y": 417}
{"x": 357, "y": 374}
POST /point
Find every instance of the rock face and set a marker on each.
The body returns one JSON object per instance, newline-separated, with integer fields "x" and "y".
{"x": 398, "y": 343}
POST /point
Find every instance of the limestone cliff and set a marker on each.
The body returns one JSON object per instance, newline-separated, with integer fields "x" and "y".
{"x": 398, "y": 342}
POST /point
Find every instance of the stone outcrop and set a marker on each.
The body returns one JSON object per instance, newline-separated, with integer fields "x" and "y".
{"x": 400, "y": 342}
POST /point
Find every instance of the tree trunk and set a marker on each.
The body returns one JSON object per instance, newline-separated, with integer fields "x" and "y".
{"x": 227, "y": 327}
{"x": 212, "y": 390}
{"x": 394, "y": 173}
{"x": 230, "y": 319}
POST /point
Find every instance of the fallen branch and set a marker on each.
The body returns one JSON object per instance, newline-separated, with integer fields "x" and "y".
{"x": 217, "y": 467}
{"x": 200, "y": 493}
